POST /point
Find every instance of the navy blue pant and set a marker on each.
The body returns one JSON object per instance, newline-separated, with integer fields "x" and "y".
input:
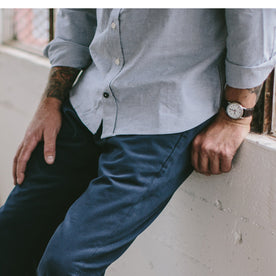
{"x": 77, "y": 216}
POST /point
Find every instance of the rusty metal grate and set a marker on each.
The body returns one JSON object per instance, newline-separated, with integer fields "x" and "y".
{"x": 33, "y": 28}
{"x": 263, "y": 114}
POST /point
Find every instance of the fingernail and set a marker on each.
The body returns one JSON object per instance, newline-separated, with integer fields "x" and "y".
{"x": 50, "y": 159}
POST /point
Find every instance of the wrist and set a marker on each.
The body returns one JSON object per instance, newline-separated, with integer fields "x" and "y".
{"x": 51, "y": 102}
{"x": 60, "y": 82}
{"x": 245, "y": 122}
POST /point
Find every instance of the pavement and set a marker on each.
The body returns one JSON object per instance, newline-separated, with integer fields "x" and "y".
{"x": 22, "y": 81}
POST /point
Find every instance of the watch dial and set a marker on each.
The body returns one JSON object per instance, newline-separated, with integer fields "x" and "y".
{"x": 234, "y": 111}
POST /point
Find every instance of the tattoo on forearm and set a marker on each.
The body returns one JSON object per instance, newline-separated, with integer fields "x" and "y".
{"x": 60, "y": 82}
{"x": 256, "y": 90}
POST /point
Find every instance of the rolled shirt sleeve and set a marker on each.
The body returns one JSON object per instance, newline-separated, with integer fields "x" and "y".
{"x": 75, "y": 29}
{"x": 251, "y": 46}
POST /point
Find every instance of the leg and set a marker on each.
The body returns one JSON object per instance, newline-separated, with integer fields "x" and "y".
{"x": 137, "y": 177}
{"x": 34, "y": 209}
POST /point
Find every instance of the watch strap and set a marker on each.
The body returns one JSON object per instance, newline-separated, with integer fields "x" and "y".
{"x": 248, "y": 112}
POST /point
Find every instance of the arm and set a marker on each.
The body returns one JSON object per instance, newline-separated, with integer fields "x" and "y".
{"x": 46, "y": 122}
{"x": 251, "y": 56}
{"x": 68, "y": 54}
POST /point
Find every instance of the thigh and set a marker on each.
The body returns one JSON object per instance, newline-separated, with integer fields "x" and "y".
{"x": 137, "y": 177}
{"x": 35, "y": 208}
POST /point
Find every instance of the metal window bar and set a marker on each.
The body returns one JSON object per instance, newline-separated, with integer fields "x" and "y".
{"x": 265, "y": 111}
{"x": 273, "y": 109}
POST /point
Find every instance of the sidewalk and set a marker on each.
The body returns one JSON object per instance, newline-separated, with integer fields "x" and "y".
{"x": 21, "y": 84}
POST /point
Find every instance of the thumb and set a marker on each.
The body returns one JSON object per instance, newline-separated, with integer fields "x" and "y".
{"x": 50, "y": 147}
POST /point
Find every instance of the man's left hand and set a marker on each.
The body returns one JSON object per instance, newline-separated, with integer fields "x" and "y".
{"x": 214, "y": 148}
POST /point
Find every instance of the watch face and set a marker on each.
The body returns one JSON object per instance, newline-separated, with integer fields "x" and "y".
{"x": 234, "y": 110}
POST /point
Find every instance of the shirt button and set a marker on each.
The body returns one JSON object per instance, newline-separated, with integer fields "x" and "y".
{"x": 117, "y": 61}
{"x": 106, "y": 95}
{"x": 113, "y": 25}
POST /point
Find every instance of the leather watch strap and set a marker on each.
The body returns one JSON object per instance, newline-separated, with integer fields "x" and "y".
{"x": 248, "y": 112}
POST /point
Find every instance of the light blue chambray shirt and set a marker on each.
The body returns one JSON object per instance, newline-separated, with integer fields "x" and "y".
{"x": 159, "y": 71}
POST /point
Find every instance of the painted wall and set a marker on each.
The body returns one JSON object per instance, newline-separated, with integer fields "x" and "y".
{"x": 219, "y": 225}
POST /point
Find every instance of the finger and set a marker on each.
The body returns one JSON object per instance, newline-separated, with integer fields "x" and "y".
{"x": 23, "y": 158}
{"x": 50, "y": 146}
{"x": 203, "y": 164}
{"x": 14, "y": 167}
{"x": 225, "y": 164}
{"x": 194, "y": 159}
{"x": 214, "y": 164}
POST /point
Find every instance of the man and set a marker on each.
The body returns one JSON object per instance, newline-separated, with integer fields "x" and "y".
{"x": 149, "y": 106}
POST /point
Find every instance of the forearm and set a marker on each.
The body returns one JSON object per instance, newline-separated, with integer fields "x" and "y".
{"x": 60, "y": 82}
{"x": 246, "y": 97}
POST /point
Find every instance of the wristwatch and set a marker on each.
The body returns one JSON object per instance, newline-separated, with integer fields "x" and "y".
{"x": 236, "y": 111}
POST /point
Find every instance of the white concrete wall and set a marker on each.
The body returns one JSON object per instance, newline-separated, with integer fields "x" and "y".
{"x": 6, "y": 25}
{"x": 219, "y": 225}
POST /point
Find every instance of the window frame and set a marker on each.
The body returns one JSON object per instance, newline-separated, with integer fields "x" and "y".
{"x": 8, "y": 36}
{"x": 264, "y": 117}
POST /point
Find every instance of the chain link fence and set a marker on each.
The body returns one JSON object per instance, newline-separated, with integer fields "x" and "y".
{"x": 33, "y": 28}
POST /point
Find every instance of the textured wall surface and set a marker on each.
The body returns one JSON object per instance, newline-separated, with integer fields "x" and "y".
{"x": 218, "y": 225}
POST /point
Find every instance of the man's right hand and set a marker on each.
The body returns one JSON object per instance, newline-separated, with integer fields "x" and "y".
{"x": 44, "y": 127}
{"x": 46, "y": 123}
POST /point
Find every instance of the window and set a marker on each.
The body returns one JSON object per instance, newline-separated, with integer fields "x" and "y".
{"x": 31, "y": 29}
{"x": 264, "y": 118}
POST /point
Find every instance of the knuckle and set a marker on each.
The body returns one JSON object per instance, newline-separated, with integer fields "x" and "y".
{"x": 207, "y": 148}
{"x": 27, "y": 142}
{"x": 196, "y": 142}
{"x": 49, "y": 147}
{"x": 226, "y": 153}
{"x": 32, "y": 136}
{"x": 20, "y": 169}
{"x": 23, "y": 160}
{"x": 50, "y": 143}
{"x": 29, "y": 137}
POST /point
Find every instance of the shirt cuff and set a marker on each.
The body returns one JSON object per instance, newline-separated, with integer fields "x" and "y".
{"x": 243, "y": 77}
{"x": 69, "y": 54}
